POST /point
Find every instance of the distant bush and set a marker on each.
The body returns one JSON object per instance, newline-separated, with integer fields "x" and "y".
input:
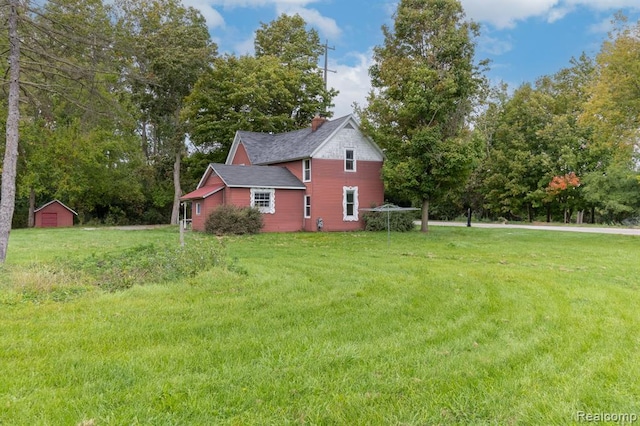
{"x": 401, "y": 221}
{"x": 233, "y": 220}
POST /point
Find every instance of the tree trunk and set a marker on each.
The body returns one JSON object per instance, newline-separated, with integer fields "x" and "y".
{"x": 177, "y": 191}
{"x": 425, "y": 216}
{"x": 32, "y": 208}
{"x": 8, "y": 191}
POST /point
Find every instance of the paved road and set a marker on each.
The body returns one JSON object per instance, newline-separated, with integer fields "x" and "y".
{"x": 574, "y": 228}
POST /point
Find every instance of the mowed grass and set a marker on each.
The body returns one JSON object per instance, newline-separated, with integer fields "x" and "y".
{"x": 460, "y": 326}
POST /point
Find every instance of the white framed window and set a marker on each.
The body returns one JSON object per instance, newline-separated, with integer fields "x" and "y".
{"x": 306, "y": 170}
{"x": 197, "y": 209}
{"x": 264, "y": 199}
{"x": 307, "y": 206}
{"x": 350, "y": 203}
{"x": 349, "y": 160}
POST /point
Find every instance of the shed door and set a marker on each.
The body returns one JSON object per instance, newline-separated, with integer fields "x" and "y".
{"x": 49, "y": 220}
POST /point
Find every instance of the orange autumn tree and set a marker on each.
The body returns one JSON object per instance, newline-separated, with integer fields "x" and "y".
{"x": 563, "y": 190}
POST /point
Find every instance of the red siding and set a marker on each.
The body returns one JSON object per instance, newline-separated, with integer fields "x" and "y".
{"x": 241, "y": 156}
{"x": 53, "y": 215}
{"x": 326, "y": 190}
{"x": 289, "y": 212}
{"x": 287, "y": 217}
{"x": 213, "y": 180}
{"x": 207, "y": 205}
{"x": 294, "y": 167}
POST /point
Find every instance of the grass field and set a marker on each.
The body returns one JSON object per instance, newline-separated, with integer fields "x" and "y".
{"x": 460, "y": 326}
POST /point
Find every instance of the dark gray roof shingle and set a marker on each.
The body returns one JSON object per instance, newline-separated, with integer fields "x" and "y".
{"x": 257, "y": 176}
{"x": 265, "y": 148}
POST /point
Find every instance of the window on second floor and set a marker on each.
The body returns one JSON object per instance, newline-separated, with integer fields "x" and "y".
{"x": 306, "y": 170}
{"x": 349, "y": 160}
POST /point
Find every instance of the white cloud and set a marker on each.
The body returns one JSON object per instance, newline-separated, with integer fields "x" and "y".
{"x": 558, "y": 13}
{"x": 353, "y": 82}
{"x": 605, "y": 4}
{"x": 494, "y": 46}
{"x": 506, "y": 13}
{"x": 327, "y": 27}
{"x": 245, "y": 47}
{"x": 231, "y": 4}
{"x": 212, "y": 16}
{"x": 602, "y": 27}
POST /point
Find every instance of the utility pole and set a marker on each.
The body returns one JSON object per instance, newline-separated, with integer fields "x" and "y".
{"x": 326, "y": 62}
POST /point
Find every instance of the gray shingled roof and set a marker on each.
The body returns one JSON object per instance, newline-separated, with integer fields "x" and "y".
{"x": 265, "y": 148}
{"x": 257, "y": 176}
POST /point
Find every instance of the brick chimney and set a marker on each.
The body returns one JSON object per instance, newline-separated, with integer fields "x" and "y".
{"x": 317, "y": 121}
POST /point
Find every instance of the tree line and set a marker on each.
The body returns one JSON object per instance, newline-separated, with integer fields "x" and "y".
{"x": 564, "y": 148}
{"x": 123, "y": 103}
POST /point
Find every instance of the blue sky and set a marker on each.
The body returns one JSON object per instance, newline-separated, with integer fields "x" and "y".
{"x": 523, "y": 39}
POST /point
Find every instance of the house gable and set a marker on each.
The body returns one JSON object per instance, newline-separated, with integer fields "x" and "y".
{"x": 349, "y": 137}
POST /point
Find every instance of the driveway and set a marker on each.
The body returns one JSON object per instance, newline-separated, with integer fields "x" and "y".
{"x": 571, "y": 228}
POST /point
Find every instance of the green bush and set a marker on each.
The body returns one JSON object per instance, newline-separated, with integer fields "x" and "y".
{"x": 150, "y": 263}
{"x": 398, "y": 221}
{"x": 233, "y": 220}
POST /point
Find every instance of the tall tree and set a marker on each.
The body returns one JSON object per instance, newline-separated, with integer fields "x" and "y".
{"x": 613, "y": 112}
{"x": 8, "y": 192}
{"x": 613, "y": 109}
{"x": 279, "y": 89}
{"x": 169, "y": 48}
{"x": 424, "y": 82}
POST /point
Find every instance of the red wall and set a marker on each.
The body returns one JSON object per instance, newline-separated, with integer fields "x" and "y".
{"x": 213, "y": 180}
{"x": 207, "y": 205}
{"x": 287, "y": 217}
{"x": 64, "y": 216}
{"x": 289, "y": 212}
{"x": 241, "y": 156}
{"x": 328, "y": 178}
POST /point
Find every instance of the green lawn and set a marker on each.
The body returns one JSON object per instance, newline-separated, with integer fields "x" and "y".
{"x": 460, "y": 326}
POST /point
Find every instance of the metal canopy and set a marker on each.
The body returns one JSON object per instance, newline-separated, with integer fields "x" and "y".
{"x": 389, "y": 208}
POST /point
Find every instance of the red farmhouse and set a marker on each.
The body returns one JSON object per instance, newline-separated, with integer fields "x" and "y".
{"x": 310, "y": 179}
{"x": 54, "y": 214}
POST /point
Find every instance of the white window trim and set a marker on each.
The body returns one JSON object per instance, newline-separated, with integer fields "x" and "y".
{"x": 304, "y": 174}
{"x": 307, "y": 203}
{"x": 198, "y": 209}
{"x": 272, "y": 199}
{"x": 354, "y": 217}
{"x": 354, "y": 160}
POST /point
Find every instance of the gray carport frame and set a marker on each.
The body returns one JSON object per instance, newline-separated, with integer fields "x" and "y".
{"x": 389, "y": 208}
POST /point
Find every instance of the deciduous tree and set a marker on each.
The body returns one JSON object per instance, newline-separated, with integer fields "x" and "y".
{"x": 279, "y": 89}
{"x": 167, "y": 47}
{"x": 425, "y": 80}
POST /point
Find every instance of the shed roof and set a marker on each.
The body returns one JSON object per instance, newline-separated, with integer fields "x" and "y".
{"x": 203, "y": 192}
{"x": 52, "y": 202}
{"x": 257, "y": 176}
